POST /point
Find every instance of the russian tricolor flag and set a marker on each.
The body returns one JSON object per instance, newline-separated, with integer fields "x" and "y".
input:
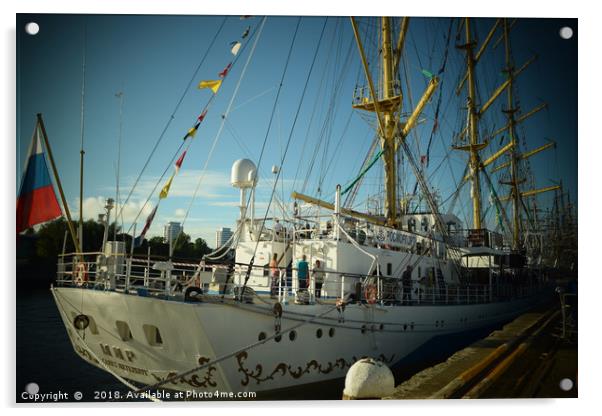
{"x": 37, "y": 201}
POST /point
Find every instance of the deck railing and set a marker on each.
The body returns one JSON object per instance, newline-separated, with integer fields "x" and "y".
{"x": 147, "y": 277}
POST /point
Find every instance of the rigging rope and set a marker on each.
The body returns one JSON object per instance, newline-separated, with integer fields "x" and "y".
{"x": 248, "y": 274}
{"x": 172, "y": 117}
{"x": 224, "y": 117}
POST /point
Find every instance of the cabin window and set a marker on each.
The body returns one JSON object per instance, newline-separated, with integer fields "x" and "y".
{"x": 123, "y": 330}
{"x": 266, "y": 270}
{"x": 411, "y": 225}
{"x": 389, "y": 269}
{"x": 153, "y": 336}
{"x": 425, "y": 224}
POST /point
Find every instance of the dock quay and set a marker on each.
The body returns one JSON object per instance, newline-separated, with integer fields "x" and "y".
{"x": 534, "y": 356}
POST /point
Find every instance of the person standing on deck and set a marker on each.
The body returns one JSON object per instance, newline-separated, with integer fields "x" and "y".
{"x": 303, "y": 272}
{"x": 318, "y": 276}
{"x": 274, "y": 274}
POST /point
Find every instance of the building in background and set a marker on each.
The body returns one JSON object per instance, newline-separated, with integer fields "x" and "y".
{"x": 171, "y": 231}
{"x": 221, "y": 236}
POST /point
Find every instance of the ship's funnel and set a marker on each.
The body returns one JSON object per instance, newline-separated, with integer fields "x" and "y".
{"x": 243, "y": 174}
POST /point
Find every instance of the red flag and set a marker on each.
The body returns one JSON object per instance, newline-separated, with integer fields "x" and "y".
{"x": 225, "y": 71}
{"x": 202, "y": 116}
{"x": 149, "y": 220}
{"x": 180, "y": 160}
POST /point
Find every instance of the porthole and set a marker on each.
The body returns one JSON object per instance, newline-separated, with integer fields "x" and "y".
{"x": 90, "y": 320}
{"x": 278, "y": 338}
{"x": 152, "y": 334}
{"x": 331, "y": 332}
{"x": 261, "y": 336}
{"x": 292, "y": 335}
{"x": 123, "y": 330}
{"x": 319, "y": 333}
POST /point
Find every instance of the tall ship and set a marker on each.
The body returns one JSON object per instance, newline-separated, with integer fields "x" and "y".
{"x": 296, "y": 297}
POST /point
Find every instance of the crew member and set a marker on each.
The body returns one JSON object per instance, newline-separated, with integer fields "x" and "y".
{"x": 302, "y": 272}
{"x": 318, "y": 276}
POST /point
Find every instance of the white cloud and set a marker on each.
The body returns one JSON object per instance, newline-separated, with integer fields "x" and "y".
{"x": 92, "y": 206}
{"x": 213, "y": 185}
{"x": 224, "y": 203}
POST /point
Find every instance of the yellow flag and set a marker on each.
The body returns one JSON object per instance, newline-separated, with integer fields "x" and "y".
{"x": 165, "y": 189}
{"x": 214, "y": 85}
{"x": 191, "y": 132}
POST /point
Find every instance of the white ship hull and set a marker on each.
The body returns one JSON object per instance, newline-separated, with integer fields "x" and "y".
{"x": 194, "y": 333}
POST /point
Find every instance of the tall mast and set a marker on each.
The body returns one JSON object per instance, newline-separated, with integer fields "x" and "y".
{"x": 514, "y": 179}
{"x": 387, "y": 136}
{"x": 475, "y": 146}
{"x": 387, "y": 103}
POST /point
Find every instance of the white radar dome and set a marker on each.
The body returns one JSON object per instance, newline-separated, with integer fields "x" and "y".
{"x": 243, "y": 173}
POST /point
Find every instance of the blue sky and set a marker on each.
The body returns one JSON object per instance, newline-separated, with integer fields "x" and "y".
{"x": 151, "y": 59}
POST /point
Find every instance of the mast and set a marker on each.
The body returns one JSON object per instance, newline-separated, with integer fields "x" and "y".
{"x": 475, "y": 146}
{"x": 515, "y": 157}
{"x": 387, "y": 103}
{"x": 514, "y": 179}
{"x": 387, "y": 139}
{"x": 80, "y": 230}
{"x": 120, "y": 96}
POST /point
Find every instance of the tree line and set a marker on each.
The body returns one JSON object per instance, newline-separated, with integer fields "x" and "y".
{"x": 50, "y": 237}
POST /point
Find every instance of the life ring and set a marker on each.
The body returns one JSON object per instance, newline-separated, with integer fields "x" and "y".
{"x": 370, "y": 293}
{"x": 81, "y": 274}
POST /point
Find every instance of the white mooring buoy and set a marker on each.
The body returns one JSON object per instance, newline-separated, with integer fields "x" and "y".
{"x": 368, "y": 379}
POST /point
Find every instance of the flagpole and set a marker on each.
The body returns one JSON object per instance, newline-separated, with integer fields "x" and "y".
{"x": 81, "y": 151}
{"x": 58, "y": 183}
{"x": 120, "y": 96}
